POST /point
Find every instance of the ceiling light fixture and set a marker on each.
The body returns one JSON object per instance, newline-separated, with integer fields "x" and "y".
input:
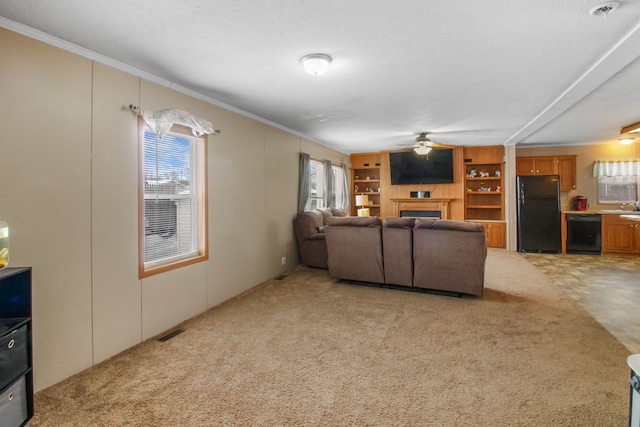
{"x": 604, "y": 8}
{"x": 316, "y": 63}
{"x": 422, "y": 150}
{"x": 629, "y": 133}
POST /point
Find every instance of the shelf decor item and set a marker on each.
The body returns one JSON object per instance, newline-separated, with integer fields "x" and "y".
{"x": 4, "y": 244}
{"x": 363, "y": 200}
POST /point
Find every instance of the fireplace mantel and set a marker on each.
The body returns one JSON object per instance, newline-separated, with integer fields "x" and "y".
{"x": 421, "y": 204}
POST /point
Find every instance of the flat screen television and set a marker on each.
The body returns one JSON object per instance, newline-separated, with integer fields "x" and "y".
{"x": 407, "y": 167}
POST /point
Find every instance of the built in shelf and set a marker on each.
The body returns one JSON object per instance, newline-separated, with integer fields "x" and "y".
{"x": 485, "y": 178}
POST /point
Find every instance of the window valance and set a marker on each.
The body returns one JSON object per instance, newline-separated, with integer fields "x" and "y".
{"x": 161, "y": 121}
{"x": 616, "y": 168}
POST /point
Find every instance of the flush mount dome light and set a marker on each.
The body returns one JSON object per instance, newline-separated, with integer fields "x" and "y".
{"x": 316, "y": 63}
{"x": 629, "y": 133}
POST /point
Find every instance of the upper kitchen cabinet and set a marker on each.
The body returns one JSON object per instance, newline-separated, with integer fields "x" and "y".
{"x": 564, "y": 166}
{"x": 536, "y": 166}
{"x": 567, "y": 172}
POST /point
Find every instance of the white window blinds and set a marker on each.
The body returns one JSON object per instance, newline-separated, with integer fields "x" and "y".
{"x": 171, "y": 184}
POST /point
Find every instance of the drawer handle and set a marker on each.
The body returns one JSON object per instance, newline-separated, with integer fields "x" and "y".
{"x": 10, "y": 396}
{"x": 11, "y": 343}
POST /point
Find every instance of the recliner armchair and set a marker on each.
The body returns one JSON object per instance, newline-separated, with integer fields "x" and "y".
{"x": 449, "y": 255}
{"x": 308, "y": 227}
{"x": 354, "y": 245}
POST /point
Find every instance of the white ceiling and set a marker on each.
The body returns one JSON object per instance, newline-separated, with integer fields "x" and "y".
{"x": 488, "y": 72}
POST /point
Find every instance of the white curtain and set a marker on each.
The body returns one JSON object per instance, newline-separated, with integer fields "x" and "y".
{"x": 345, "y": 188}
{"x": 160, "y": 122}
{"x": 616, "y": 168}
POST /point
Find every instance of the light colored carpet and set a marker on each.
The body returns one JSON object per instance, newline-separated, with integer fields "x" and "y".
{"x": 309, "y": 351}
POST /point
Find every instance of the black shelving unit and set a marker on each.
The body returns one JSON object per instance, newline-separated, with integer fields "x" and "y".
{"x": 16, "y": 359}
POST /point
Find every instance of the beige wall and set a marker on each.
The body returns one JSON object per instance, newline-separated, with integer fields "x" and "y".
{"x": 69, "y": 173}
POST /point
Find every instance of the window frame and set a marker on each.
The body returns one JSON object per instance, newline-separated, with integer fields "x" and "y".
{"x": 202, "y": 226}
{"x": 617, "y": 202}
{"x": 337, "y": 172}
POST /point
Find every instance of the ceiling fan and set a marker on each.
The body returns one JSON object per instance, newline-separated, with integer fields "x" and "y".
{"x": 423, "y": 145}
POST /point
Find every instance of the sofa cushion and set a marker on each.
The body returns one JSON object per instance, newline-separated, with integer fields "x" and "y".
{"x": 326, "y": 213}
{"x": 338, "y": 212}
{"x": 394, "y": 222}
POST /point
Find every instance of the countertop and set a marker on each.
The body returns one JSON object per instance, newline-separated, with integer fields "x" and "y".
{"x": 580, "y": 212}
{"x": 602, "y": 212}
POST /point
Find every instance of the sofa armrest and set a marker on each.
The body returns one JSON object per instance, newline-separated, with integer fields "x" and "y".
{"x": 307, "y": 224}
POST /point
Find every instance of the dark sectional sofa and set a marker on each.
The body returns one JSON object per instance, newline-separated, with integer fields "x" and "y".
{"x": 442, "y": 255}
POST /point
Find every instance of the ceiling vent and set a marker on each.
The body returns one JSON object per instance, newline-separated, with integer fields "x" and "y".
{"x": 604, "y": 8}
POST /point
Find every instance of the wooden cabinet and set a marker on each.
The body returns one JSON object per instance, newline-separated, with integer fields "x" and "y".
{"x": 620, "y": 235}
{"x": 567, "y": 172}
{"x": 564, "y": 166}
{"x": 496, "y": 233}
{"x": 536, "y": 166}
{"x": 484, "y": 188}
{"x": 16, "y": 377}
{"x": 365, "y": 180}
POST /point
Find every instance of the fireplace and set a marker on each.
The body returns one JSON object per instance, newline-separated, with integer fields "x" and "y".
{"x": 420, "y": 206}
{"x": 420, "y": 214}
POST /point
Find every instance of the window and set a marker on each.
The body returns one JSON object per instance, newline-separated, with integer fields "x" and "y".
{"x": 316, "y": 182}
{"x": 317, "y": 193}
{"x": 618, "y": 189}
{"x": 618, "y": 180}
{"x": 173, "y": 188}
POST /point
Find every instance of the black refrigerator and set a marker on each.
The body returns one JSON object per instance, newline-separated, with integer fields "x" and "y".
{"x": 539, "y": 214}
